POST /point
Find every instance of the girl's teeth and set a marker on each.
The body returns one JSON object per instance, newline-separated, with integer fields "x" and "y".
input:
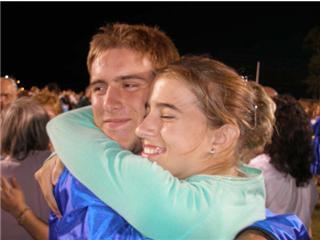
{"x": 156, "y": 150}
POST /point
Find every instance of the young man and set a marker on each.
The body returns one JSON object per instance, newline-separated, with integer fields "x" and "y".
{"x": 121, "y": 62}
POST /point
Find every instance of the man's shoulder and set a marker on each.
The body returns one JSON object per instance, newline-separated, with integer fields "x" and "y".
{"x": 281, "y": 227}
{"x": 69, "y": 188}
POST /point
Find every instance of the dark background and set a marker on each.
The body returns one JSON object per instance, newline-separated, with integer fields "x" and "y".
{"x": 44, "y": 42}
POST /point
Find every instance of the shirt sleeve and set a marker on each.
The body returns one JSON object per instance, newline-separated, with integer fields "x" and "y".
{"x": 280, "y": 227}
{"x": 84, "y": 215}
{"x": 139, "y": 190}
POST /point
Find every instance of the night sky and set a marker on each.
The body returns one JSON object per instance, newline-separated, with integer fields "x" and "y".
{"x": 44, "y": 42}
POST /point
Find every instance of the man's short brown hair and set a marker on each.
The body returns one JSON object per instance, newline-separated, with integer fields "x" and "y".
{"x": 148, "y": 41}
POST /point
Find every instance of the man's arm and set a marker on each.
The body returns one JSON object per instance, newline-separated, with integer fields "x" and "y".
{"x": 13, "y": 201}
{"x": 276, "y": 227}
{"x": 47, "y": 176}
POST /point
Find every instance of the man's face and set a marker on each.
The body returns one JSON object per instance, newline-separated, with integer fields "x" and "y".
{"x": 8, "y": 93}
{"x": 120, "y": 83}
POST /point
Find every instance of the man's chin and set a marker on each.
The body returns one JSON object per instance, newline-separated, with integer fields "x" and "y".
{"x": 133, "y": 145}
{"x": 137, "y": 148}
{"x": 126, "y": 141}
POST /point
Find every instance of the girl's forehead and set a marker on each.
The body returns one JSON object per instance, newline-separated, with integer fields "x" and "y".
{"x": 173, "y": 92}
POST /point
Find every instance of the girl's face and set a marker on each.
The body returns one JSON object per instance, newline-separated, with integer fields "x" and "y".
{"x": 175, "y": 133}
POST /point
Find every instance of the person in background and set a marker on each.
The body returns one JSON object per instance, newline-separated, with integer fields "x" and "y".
{"x": 34, "y": 90}
{"x": 311, "y": 107}
{"x": 49, "y": 101}
{"x": 287, "y": 161}
{"x": 270, "y": 91}
{"x": 315, "y": 166}
{"x": 85, "y": 98}
{"x": 68, "y": 100}
{"x": 24, "y": 147}
{"x": 53, "y": 87}
{"x": 8, "y": 92}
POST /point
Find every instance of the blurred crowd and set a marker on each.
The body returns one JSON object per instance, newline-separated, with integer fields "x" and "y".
{"x": 51, "y": 97}
{"x": 25, "y": 146}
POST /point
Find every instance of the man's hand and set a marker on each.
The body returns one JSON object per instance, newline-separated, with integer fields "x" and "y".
{"x": 47, "y": 176}
{"x": 12, "y": 197}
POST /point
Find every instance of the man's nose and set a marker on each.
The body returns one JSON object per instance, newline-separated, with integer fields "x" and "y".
{"x": 112, "y": 99}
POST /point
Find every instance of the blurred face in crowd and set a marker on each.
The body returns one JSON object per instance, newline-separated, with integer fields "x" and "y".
{"x": 120, "y": 84}
{"x": 8, "y": 93}
{"x": 50, "y": 110}
{"x": 175, "y": 133}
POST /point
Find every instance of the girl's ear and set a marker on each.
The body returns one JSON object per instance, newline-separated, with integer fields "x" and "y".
{"x": 224, "y": 137}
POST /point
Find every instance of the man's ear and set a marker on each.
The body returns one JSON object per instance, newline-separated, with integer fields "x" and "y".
{"x": 225, "y": 137}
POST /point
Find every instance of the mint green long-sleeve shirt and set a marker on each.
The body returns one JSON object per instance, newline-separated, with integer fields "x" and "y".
{"x": 156, "y": 203}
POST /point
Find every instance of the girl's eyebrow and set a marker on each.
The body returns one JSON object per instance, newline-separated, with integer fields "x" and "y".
{"x": 168, "y": 105}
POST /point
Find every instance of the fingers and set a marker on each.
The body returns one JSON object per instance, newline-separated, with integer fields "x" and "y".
{"x": 5, "y": 185}
{"x": 15, "y": 183}
{"x": 52, "y": 204}
{"x": 5, "y": 193}
{"x": 43, "y": 177}
{"x": 57, "y": 170}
